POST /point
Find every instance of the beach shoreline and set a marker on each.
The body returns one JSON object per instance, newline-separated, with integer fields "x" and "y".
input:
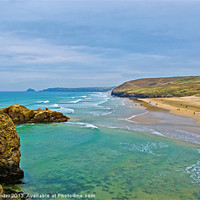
{"x": 162, "y": 116}
{"x": 183, "y": 106}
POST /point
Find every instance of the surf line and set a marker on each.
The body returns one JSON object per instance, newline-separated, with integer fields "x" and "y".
{"x": 129, "y": 119}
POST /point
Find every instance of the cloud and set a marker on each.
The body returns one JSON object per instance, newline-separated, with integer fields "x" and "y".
{"x": 31, "y": 60}
{"x": 95, "y": 43}
{"x": 41, "y": 52}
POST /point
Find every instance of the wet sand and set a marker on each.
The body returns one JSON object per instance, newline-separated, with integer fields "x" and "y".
{"x": 157, "y": 116}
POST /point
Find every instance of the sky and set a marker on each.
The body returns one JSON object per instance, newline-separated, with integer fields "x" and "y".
{"x": 62, "y": 43}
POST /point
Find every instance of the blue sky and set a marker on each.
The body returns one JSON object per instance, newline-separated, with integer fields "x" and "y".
{"x": 54, "y": 43}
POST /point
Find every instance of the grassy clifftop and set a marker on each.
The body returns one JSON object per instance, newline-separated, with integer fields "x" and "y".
{"x": 159, "y": 87}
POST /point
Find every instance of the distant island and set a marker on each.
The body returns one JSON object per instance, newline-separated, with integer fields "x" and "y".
{"x": 159, "y": 87}
{"x": 83, "y": 89}
{"x": 30, "y": 90}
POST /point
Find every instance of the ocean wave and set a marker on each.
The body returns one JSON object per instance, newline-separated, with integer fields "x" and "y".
{"x": 123, "y": 102}
{"x": 83, "y": 124}
{"x": 99, "y": 94}
{"x": 129, "y": 118}
{"x": 107, "y": 113}
{"x": 46, "y": 101}
{"x": 84, "y": 96}
{"x": 194, "y": 172}
{"x": 99, "y": 112}
{"x": 102, "y": 102}
{"x": 65, "y": 110}
{"x": 55, "y": 105}
{"x": 76, "y": 101}
{"x": 157, "y": 133}
{"x": 24, "y": 125}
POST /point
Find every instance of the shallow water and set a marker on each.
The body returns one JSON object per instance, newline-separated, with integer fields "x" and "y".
{"x": 102, "y": 154}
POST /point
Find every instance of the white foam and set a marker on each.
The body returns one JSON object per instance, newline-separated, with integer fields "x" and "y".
{"x": 108, "y": 113}
{"x": 145, "y": 148}
{"x": 148, "y": 148}
{"x": 47, "y": 101}
{"x": 76, "y": 101}
{"x": 84, "y": 96}
{"x": 55, "y": 105}
{"x": 102, "y": 102}
{"x": 129, "y": 118}
{"x": 83, "y": 124}
{"x": 194, "y": 171}
{"x": 65, "y": 110}
{"x": 157, "y": 133}
{"x": 123, "y": 102}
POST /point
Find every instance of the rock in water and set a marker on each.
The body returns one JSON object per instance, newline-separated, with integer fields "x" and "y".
{"x": 21, "y": 115}
{"x": 10, "y": 141}
{"x": 9, "y": 151}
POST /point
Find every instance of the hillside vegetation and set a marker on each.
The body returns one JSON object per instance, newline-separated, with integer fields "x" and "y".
{"x": 159, "y": 87}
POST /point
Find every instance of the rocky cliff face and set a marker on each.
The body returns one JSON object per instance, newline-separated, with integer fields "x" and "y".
{"x": 10, "y": 171}
{"x": 9, "y": 151}
{"x": 21, "y": 115}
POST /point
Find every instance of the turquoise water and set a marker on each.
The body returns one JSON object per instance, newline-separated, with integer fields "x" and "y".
{"x": 100, "y": 153}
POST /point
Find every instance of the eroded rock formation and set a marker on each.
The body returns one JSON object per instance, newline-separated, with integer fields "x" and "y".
{"x": 21, "y": 115}
{"x": 9, "y": 151}
{"x": 10, "y": 171}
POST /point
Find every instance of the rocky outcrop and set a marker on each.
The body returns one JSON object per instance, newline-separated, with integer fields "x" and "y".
{"x": 9, "y": 151}
{"x": 21, "y": 115}
{"x": 10, "y": 171}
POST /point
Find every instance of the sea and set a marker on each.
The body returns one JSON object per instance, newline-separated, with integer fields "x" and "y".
{"x": 100, "y": 154}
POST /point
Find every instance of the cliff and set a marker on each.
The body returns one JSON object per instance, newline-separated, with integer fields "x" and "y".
{"x": 10, "y": 171}
{"x": 9, "y": 151}
{"x": 159, "y": 87}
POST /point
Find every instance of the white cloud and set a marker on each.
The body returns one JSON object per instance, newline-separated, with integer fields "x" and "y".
{"x": 44, "y": 64}
{"x": 18, "y": 52}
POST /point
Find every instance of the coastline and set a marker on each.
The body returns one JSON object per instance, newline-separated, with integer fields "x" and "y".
{"x": 148, "y": 109}
{"x": 183, "y": 106}
{"x": 159, "y": 116}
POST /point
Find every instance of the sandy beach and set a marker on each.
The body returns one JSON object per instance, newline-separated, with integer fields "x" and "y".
{"x": 184, "y": 106}
{"x": 165, "y": 113}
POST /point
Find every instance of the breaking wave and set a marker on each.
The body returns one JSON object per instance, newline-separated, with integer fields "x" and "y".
{"x": 46, "y": 101}
{"x": 76, "y": 101}
{"x": 65, "y": 110}
{"x": 83, "y": 124}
